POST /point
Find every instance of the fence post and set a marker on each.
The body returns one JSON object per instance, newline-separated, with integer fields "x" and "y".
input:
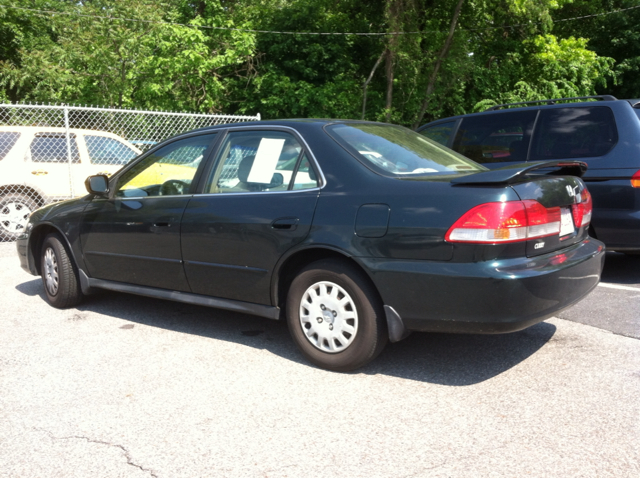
{"x": 69, "y": 158}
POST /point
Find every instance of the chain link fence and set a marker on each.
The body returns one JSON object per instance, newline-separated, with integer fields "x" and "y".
{"x": 46, "y": 152}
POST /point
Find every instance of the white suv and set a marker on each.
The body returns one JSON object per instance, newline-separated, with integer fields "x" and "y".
{"x": 37, "y": 167}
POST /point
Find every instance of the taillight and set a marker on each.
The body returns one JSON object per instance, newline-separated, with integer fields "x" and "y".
{"x": 502, "y": 222}
{"x": 635, "y": 180}
{"x": 582, "y": 210}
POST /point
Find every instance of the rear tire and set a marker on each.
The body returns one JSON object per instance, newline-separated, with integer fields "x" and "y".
{"x": 335, "y": 316}
{"x": 59, "y": 274}
{"x": 14, "y": 213}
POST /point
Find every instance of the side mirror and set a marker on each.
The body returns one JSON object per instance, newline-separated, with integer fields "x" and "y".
{"x": 98, "y": 184}
{"x": 276, "y": 181}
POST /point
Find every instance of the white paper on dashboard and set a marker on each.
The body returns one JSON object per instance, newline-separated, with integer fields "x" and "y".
{"x": 266, "y": 160}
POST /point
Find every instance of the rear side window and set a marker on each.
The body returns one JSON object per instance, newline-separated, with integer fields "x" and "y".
{"x": 574, "y": 133}
{"x": 495, "y": 138}
{"x": 52, "y": 148}
{"x": 440, "y": 132}
{"x": 7, "y": 141}
{"x": 103, "y": 150}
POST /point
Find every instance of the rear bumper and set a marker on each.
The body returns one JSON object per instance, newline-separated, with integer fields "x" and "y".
{"x": 487, "y": 297}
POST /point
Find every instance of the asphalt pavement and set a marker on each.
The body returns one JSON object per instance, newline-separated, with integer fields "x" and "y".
{"x": 127, "y": 386}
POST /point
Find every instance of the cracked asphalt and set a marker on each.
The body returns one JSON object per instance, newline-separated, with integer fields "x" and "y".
{"x": 127, "y": 386}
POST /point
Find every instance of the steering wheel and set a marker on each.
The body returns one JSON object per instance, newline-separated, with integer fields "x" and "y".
{"x": 173, "y": 187}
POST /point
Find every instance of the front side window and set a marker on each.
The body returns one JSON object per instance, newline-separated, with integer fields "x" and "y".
{"x": 396, "y": 151}
{"x": 103, "y": 150}
{"x": 440, "y": 132}
{"x": 169, "y": 171}
{"x": 255, "y": 161}
{"x": 52, "y": 148}
{"x": 496, "y": 137}
{"x": 7, "y": 141}
{"x": 580, "y": 132}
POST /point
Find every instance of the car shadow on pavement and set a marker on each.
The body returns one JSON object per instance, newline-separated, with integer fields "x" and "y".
{"x": 446, "y": 359}
{"x": 621, "y": 269}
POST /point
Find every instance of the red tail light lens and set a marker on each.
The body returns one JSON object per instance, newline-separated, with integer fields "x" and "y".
{"x": 542, "y": 221}
{"x": 582, "y": 210}
{"x": 635, "y": 180}
{"x": 501, "y": 222}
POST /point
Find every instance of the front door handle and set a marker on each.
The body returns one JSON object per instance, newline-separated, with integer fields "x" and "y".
{"x": 159, "y": 227}
{"x": 285, "y": 223}
{"x": 39, "y": 172}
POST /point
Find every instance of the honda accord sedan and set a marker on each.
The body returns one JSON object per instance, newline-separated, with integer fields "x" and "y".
{"x": 355, "y": 233}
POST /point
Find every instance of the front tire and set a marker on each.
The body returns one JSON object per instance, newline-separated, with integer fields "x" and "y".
{"x": 59, "y": 274}
{"x": 14, "y": 214}
{"x": 335, "y": 316}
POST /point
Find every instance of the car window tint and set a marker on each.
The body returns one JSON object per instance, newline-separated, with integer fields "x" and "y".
{"x": 7, "y": 141}
{"x": 169, "y": 171}
{"x": 496, "y": 137}
{"x": 579, "y": 132}
{"x": 439, "y": 132}
{"x": 397, "y": 151}
{"x": 103, "y": 150}
{"x": 252, "y": 161}
{"x": 52, "y": 148}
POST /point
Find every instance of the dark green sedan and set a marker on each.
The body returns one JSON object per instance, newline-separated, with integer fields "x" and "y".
{"x": 356, "y": 233}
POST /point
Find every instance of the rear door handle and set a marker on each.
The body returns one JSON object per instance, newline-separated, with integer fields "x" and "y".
{"x": 285, "y": 223}
{"x": 39, "y": 172}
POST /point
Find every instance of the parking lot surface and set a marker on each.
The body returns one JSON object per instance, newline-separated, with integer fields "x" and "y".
{"x": 127, "y": 386}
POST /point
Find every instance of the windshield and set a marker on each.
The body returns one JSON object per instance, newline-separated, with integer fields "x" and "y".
{"x": 399, "y": 152}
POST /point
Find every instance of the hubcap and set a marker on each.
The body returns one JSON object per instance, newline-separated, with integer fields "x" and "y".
{"x": 14, "y": 216}
{"x": 329, "y": 317}
{"x": 51, "y": 277}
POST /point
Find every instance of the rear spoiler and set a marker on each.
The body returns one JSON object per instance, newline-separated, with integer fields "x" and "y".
{"x": 517, "y": 172}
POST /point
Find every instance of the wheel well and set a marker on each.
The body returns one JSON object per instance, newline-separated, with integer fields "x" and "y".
{"x": 20, "y": 189}
{"x": 289, "y": 270}
{"x": 36, "y": 240}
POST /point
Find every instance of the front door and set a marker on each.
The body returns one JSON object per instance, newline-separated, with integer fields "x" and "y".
{"x": 258, "y": 202}
{"x": 134, "y": 235}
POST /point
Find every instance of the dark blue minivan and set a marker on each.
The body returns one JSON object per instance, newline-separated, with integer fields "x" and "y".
{"x": 602, "y": 131}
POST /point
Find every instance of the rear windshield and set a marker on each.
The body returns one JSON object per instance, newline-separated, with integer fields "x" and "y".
{"x": 399, "y": 152}
{"x": 7, "y": 141}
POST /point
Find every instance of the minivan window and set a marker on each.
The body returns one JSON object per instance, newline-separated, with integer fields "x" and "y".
{"x": 495, "y": 138}
{"x": 7, "y": 141}
{"x": 579, "y": 132}
{"x": 440, "y": 132}
{"x": 103, "y": 150}
{"x": 52, "y": 148}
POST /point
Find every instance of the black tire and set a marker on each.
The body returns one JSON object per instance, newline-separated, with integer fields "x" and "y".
{"x": 355, "y": 341}
{"x": 59, "y": 274}
{"x": 15, "y": 209}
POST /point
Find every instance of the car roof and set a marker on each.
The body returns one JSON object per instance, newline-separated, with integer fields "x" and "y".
{"x": 557, "y": 104}
{"x": 47, "y": 129}
{"x": 318, "y": 122}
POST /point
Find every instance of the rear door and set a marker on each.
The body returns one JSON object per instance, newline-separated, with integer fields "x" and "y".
{"x": 257, "y": 202}
{"x": 49, "y": 164}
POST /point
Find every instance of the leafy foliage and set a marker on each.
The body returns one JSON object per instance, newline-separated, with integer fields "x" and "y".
{"x": 460, "y": 55}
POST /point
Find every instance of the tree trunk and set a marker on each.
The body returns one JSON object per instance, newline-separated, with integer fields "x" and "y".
{"x": 436, "y": 67}
{"x": 366, "y": 83}
{"x": 388, "y": 68}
